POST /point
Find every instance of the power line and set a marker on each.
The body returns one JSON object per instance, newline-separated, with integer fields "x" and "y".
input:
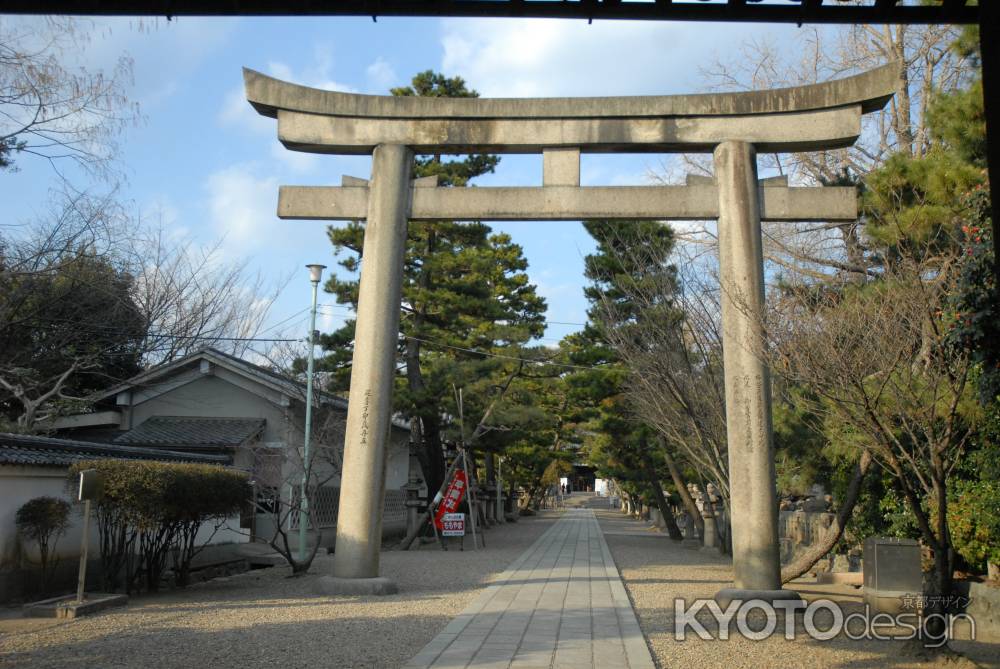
{"x": 211, "y": 338}
{"x": 105, "y": 330}
{"x": 282, "y": 322}
{"x": 507, "y": 357}
{"x": 493, "y": 355}
{"x": 345, "y": 308}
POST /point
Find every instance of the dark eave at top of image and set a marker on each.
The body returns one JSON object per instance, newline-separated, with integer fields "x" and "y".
{"x": 787, "y": 11}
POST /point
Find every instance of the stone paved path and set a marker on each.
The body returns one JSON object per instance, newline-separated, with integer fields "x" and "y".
{"x": 561, "y": 605}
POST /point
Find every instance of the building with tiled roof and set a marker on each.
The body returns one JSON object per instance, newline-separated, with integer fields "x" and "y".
{"x": 35, "y": 466}
{"x": 194, "y": 433}
{"x": 210, "y": 402}
{"x": 24, "y": 450}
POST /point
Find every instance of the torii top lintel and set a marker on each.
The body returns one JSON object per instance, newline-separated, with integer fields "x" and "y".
{"x": 802, "y": 118}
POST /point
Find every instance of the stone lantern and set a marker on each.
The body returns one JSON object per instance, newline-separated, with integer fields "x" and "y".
{"x": 413, "y": 501}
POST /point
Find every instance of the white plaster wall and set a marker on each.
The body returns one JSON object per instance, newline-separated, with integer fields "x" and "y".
{"x": 228, "y": 533}
{"x": 20, "y": 484}
{"x": 17, "y": 486}
{"x": 398, "y": 460}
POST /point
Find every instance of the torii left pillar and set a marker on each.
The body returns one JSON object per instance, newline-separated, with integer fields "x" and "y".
{"x": 359, "y": 520}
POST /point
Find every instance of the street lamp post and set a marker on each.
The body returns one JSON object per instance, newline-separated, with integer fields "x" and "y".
{"x": 315, "y": 274}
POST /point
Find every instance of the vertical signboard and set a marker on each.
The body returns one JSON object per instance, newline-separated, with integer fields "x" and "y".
{"x": 452, "y": 498}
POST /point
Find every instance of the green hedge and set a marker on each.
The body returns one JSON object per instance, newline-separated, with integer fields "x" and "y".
{"x": 152, "y": 510}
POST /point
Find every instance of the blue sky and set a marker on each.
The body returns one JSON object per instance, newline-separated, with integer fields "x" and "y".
{"x": 206, "y": 164}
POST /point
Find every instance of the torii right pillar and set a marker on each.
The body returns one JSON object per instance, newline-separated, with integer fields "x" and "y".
{"x": 753, "y": 500}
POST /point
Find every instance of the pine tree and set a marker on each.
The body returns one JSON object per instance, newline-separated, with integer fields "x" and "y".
{"x": 464, "y": 288}
{"x": 626, "y": 445}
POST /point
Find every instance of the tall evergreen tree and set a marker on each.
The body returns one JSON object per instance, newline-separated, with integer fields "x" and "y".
{"x": 464, "y": 287}
{"x": 615, "y": 270}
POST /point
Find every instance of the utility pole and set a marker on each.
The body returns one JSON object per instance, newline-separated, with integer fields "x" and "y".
{"x": 315, "y": 274}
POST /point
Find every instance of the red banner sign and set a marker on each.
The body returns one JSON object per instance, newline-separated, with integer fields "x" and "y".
{"x": 452, "y": 497}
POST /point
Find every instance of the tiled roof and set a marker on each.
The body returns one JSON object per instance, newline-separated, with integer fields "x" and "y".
{"x": 23, "y": 449}
{"x": 193, "y": 432}
{"x": 292, "y": 387}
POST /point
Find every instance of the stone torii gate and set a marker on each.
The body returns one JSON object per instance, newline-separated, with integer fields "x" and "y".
{"x": 733, "y": 126}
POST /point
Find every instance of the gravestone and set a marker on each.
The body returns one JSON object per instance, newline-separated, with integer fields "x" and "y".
{"x": 892, "y": 574}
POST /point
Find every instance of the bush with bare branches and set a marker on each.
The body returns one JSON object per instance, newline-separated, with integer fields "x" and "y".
{"x": 878, "y": 363}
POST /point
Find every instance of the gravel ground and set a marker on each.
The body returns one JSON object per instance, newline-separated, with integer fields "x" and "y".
{"x": 264, "y": 619}
{"x": 656, "y": 570}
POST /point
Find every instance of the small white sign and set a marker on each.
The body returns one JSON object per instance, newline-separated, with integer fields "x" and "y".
{"x": 91, "y": 485}
{"x": 453, "y": 525}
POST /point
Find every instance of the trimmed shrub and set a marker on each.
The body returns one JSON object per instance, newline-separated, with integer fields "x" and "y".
{"x": 43, "y": 520}
{"x": 152, "y": 509}
{"x": 200, "y": 494}
{"x": 974, "y": 522}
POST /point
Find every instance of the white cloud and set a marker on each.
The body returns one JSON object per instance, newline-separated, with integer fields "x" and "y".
{"x": 328, "y": 320}
{"x": 128, "y": 48}
{"x": 154, "y": 97}
{"x": 541, "y": 58}
{"x": 380, "y": 76}
{"x": 564, "y": 298}
{"x": 642, "y": 179}
{"x": 281, "y": 71}
{"x": 242, "y": 208}
{"x": 237, "y": 112}
{"x": 161, "y": 212}
{"x": 316, "y": 75}
{"x": 144, "y": 41}
{"x": 296, "y": 161}
{"x": 325, "y": 321}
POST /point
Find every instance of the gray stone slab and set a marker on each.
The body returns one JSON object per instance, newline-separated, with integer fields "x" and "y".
{"x": 68, "y": 607}
{"x": 569, "y": 203}
{"x": 756, "y": 564}
{"x": 359, "y": 521}
{"x": 541, "y": 613}
{"x": 561, "y": 167}
{"x": 871, "y": 90}
{"x": 333, "y": 585}
{"x": 832, "y": 128}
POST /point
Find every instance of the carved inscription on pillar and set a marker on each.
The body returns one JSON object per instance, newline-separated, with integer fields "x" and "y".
{"x": 364, "y": 416}
{"x": 744, "y": 400}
